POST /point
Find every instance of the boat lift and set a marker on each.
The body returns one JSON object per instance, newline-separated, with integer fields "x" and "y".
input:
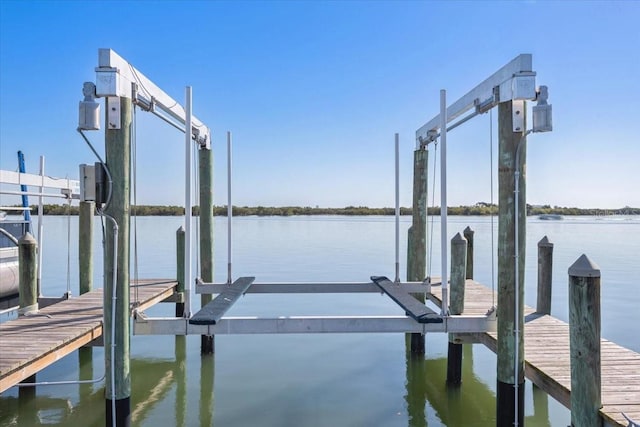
{"x": 116, "y": 77}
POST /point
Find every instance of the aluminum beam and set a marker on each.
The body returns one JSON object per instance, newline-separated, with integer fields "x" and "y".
{"x": 515, "y": 80}
{"x": 114, "y": 77}
{"x": 310, "y": 288}
{"x": 16, "y": 178}
{"x": 144, "y": 325}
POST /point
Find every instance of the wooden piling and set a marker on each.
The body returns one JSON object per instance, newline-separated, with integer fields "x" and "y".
{"x": 506, "y": 357}
{"x": 456, "y": 306}
{"x": 584, "y": 343}
{"x": 205, "y": 157}
{"x": 417, "y": 237}
{"x": 85, "y": 246}
{"x": 468, "y": 235}
{"x": 28, "y": 273}
{"x": 545, "y": 273}
{"x": 180, "y": 269}
{"x": 28, "y": 299}
{"x": 117, "y": 148}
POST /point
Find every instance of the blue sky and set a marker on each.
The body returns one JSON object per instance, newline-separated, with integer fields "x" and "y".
{"x": 314, "y": 92}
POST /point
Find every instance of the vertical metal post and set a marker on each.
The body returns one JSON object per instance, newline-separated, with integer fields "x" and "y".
{"x": 584, "y": 343}
{"x": 397, "y": 234}
{"x": 118, "y": 149}
{"x": 206, "y": 232}
{"x": 443, "y": 201}
{"x": 545, "y": 270}
{"x": 510, "y": 357}
{"x": 85, "y": 246}
{"x": 229, "y": 208}
{"x": 458, "y": 273}
{"x": 417, "y": 236}
{"x": 40, "y": 226}
{"x": 188, "y": 148}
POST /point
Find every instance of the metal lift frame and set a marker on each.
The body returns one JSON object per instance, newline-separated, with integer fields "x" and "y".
{"x": 515, "y": 81}
{"x": 116, "y": 77}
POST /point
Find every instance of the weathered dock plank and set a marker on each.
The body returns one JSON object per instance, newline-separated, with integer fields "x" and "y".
{"x": 31, "y": 343}
{"x": 547, "y": 358}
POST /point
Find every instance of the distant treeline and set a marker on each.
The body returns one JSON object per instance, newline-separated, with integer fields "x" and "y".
{"x": 480, "y": 208}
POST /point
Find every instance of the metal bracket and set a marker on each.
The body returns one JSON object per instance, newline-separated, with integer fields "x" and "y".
{"x": 517, "y": 115}
{"x": 484, "y": 106}
{"x": 113, "y": 112}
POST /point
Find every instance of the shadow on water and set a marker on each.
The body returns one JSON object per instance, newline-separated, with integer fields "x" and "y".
{"x": 472, "y": 404}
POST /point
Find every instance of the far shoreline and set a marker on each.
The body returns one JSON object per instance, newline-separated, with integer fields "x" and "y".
{"x": 479, "y": 209}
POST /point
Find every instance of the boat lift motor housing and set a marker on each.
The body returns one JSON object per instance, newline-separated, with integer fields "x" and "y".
{"x": 89, "y": 117}
{"x": 542, "y": 117}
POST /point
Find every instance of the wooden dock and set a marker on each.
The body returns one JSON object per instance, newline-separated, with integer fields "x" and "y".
{"x": 547, "y": 362}
{"x": 31, "y": 343}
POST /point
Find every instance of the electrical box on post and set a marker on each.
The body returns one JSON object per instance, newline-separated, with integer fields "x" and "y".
{"x": 87, "y": 183}
{"x": 101, "y": 184}
{"x": 542, "y": 118}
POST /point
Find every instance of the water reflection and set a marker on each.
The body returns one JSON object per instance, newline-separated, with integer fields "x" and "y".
{"x": 472, "y": 404}
{"x": 152, "y": 380}
{"x": 181, "y": 386}
{"x": 207, "y": 373}
{"x": 158, "y": 385}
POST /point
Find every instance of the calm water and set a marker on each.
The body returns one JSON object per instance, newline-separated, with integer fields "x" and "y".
{"x": 320, "y": 380}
